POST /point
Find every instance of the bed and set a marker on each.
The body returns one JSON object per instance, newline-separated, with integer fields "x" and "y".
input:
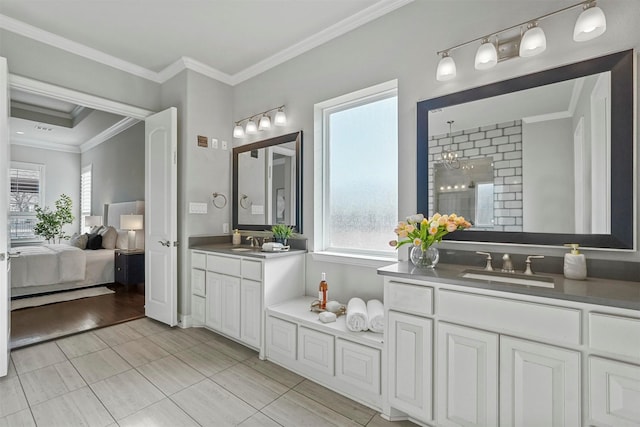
{"x": 55, "y": 267}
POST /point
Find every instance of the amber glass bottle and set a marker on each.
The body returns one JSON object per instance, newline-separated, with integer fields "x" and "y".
{"x": 323, "y": 292}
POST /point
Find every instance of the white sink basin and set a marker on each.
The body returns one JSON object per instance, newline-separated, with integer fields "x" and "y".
{"x": 511, "y": 278}
{"x": 241, "y": 249}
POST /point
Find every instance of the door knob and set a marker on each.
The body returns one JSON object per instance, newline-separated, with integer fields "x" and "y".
{"x": 165, "y": 243}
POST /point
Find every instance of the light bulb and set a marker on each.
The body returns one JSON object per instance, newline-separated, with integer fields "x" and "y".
{"x": 280, "y": 118}
{"x": 251, "y": 127}
{"x": 533, "y": 41}
{"x": 238, "y": 132}
{"x": 590, "y": 24}
{"x": 265, "y": 123}
{"x": 486, "y": 56}
{"x": 446, "y": 68}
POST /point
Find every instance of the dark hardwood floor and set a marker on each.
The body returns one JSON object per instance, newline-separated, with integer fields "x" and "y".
{"x": 35, "y": 325}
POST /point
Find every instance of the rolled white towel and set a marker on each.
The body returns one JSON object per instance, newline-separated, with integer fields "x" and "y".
{"x": 357, "y": 319}
{"x": 375, "y": 311}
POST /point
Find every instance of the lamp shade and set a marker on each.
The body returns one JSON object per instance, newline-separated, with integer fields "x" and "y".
{"x": 92, "y": 220}
{"x": 265, "y": 122}
{"x": 280, "y": 118}
{"x": 533, "y": 42}
{"x": 486, "y": 56}
{"x": 590, "y": 24}
{"x": 446, "y": 68}
{"x": 251, "y": 127}
{"x": 131, "y": 222}
{"x": 238, "y": 131}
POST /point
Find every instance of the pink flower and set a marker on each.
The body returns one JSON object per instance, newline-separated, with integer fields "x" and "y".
{"x": 451, "y": 226}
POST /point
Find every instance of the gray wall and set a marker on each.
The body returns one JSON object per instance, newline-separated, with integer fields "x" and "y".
{"x": 403, "y": 45}
{"x": 117, "y": 169}
{"x": 62, "y": 176}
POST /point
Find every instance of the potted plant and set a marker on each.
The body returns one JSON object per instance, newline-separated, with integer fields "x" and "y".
{"x": 281, "y": 233}
{"x": 50, "y": 222}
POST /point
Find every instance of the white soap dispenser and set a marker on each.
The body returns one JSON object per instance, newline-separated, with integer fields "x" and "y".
{"x": 575, "y": 264}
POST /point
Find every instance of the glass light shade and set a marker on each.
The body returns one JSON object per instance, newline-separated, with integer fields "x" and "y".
{"x": 280, "y": 118}
{"x": 486, "y": 56}
{"x": 251, "y": 127}
{"x": 446, "y": 69}
{"x": 533, "y": 42}
{"x": 131, "y": 222}
{"x": 590, "y": 24}
{"x": 265, "y": 123}
{"x": 238, "y": 131}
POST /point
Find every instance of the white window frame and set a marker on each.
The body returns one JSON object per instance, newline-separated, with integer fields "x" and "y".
{"x": 321, "y": 251}
{"x": 30, "y": 166}
{"x": 85, "y": 210}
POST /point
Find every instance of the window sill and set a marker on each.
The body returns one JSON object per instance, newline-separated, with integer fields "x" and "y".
{"x": 353, "y": 259}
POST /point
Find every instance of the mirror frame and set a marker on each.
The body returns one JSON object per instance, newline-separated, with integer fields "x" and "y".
{"x": 291, "y": 137}
{"x": 622, "y": 149}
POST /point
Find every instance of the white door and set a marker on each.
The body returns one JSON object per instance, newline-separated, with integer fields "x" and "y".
{"x": 410, "y": 348}
{"x": 539, "y": 385}
{"x": 467, "y": 392}
{"x": 161, "y": 223}
{"x": 230, "y": 299}
{"x": 5, "y": 278}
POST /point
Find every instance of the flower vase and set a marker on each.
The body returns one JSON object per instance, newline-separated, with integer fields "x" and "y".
{"x": 424, "y": 258}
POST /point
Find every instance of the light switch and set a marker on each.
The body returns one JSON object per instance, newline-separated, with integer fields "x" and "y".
{"x": 214, "y": 143}
{"x": 224, "y": 144}
{"x": 197, "y": 208}
{"x": 257, "y": 209}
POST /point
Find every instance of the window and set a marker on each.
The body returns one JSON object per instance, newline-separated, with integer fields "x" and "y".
{"x": 26, "y": 192}
{"x": 357, "y": 206}
{"x": 85, "y": 195}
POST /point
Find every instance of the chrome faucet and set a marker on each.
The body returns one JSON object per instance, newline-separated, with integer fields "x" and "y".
{"x": 488, "y": 267}
{"x": 528, "y": 271}
{"x": 255, "y": 241}
{"x": 507, "y": 265}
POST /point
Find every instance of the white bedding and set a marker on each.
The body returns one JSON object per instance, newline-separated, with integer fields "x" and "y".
{"x": 46, "y": 265}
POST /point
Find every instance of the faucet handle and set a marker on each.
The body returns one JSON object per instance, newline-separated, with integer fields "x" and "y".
{"x": 488, "y": 267}
{"x": 528, "y": 271}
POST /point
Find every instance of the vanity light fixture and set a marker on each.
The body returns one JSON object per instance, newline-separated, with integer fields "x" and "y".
{"x": 531, "y": 41}
{"x": 250, "y": 127}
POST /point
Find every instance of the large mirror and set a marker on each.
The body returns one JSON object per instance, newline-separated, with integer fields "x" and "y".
{"x": 267, "y": 180}
{"x": 544, "y": 159}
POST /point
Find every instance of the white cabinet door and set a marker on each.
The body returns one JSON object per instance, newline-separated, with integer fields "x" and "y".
{"x": 198, "y": 282}
{"x": 213, "y": 314}
{"x": 316, "y": 350}
{"x": 539, "y": 385}
{"x": 614, "y": 393}
{"x": 230, "y": 299}
{"x": 467, "y": 377}
{"x": 282, "y": 340}
{"x": 250, "y": 312}
{"x": 410, "y": 359}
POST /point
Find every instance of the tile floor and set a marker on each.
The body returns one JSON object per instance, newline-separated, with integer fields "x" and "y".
{"x": 143, "y": 373}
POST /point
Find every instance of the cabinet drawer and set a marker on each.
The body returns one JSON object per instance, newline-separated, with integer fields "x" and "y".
{"x": 358, "y": 365}
{"x": 316, "y": 350}
{"x": 252, "y": 269}
{"x": 615, "y": 334}
{"x": 198, "y": 260}
{"x": 224, "y": 265}
{"x": 614, "y": 393}
{"x": 410, "y": 298}
{"x": 198, "y": 282}
{"x": 281, "y": 339}
{"x": 523, "y": 318}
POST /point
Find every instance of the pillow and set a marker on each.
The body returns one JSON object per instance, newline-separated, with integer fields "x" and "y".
{"x": 109, "y": 237}
{"x": 79, "y": 240}
{"x": 95, "y": 229}
{"x": 94, "y": 241}
{"x": 122, "y": 242}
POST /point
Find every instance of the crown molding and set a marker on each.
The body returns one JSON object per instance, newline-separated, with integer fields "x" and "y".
{"x": 37, "y": 87}
{"x": 45, "y": 145}
{"x": 108, "y": 133}
{"x": 363, "y": 17}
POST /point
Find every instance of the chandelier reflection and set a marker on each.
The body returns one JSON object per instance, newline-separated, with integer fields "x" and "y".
{"x": 449, "y": 157}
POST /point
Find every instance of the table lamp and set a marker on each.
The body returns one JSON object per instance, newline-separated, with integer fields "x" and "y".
{"x": 131, "y": 223}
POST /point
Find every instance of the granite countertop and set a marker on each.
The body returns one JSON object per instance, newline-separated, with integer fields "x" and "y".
{"x": 614, "y": 293}
{"x": 244, "y": 250}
